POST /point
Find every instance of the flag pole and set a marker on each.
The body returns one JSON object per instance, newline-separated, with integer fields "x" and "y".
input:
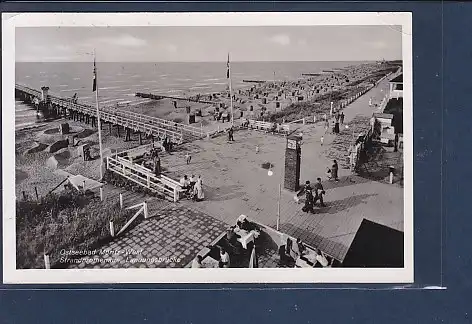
{"x": 95, "y": 88}
{"x": 230, "y": 92}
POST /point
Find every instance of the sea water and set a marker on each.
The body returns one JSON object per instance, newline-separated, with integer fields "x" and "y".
{"x": 118, "y": 82}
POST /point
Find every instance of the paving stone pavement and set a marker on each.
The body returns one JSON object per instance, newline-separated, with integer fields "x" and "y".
{"x": 171, "y": 238}
{"x": 236, "y": 183}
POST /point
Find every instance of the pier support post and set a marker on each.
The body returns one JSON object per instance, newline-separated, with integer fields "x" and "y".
{"x": 118, "y": 129}
{"x": 109, "y": 128}
{"x": 140, "y": 139}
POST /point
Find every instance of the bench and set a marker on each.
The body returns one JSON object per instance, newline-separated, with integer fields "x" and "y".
{"x": 171, "y": 183}
{"x": 256, "y": 124}
{"x": 267, "y": 126}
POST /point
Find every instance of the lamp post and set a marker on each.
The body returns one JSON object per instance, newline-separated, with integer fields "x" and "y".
{"x": 270, "y": 173}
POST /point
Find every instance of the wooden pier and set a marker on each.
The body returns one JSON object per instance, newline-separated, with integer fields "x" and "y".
{"x": 142, "y": 124}
{"x": 160, "y": 97}
{"x": 311, "y": 74}
{"x": 254, "y": 81}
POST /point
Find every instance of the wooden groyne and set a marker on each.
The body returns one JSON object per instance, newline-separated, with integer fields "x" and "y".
{"x": 154, "y": 127}
{"x": 160, "y": 97}
{"x": 311, "y": 74}
{"x": 254, "y": 81}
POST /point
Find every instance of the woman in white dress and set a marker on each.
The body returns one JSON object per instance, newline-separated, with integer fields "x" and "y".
{"x": 198, "y": 194}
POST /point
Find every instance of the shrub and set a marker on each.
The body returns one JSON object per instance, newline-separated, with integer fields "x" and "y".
{"x": 68, "y": 221}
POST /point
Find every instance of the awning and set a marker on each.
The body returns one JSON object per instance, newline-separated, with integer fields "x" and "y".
{"x": 79, "y": 180}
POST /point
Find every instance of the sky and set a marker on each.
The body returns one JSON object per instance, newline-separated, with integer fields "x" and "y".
{"x": 208, "y": 44}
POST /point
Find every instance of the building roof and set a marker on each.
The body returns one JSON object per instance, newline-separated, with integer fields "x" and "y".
{"x": 381, "y": 115}
{"x": 398, "y": 78}
{"x": 79, "y": 180}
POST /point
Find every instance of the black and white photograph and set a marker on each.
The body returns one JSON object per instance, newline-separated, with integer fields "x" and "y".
{"x": 210, "y": 143}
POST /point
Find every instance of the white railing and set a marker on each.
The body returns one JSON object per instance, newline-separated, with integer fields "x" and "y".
{"x": 144, "y": 177}
{"x": 143, "y": 209}
{"x": 177, "y": 127}
{"x": 139, "y": 122}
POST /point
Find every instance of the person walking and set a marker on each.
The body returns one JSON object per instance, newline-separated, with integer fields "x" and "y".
{"x": 342, "y": 118}
{"x": 309, "y": 202}
{"x": 308, "y": 190}
{"x": 188, "y": 158}
{"x": 230, "y": 134}
{"x": 319, "y": 192}
{"x": 334, "y": 171}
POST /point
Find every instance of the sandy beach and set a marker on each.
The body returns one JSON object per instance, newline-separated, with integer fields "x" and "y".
{"x": 38, "y": 165}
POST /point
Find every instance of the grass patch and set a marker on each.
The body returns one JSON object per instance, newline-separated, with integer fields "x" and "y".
{"x": 321, "y": 103}
{"x": 69, "y": 220}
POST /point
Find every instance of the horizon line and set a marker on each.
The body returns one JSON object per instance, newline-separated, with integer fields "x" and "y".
{"x": 243, "y": 61}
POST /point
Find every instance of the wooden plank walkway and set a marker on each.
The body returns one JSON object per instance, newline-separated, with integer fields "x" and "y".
{"x": 148, "y": 125}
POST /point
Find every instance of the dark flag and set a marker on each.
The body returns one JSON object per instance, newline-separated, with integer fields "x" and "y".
{"x": 94, "y": 88}
{"x": 227, "y": 68}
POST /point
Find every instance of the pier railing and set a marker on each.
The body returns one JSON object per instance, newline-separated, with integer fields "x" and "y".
{"x": 149, "y": 125}
{"x": 171, "y": 125}
{"x": 144, "y": 177}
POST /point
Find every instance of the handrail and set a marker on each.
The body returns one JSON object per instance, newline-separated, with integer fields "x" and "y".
{"x": 143, "y": 176}
{"x": 136, "y": 120}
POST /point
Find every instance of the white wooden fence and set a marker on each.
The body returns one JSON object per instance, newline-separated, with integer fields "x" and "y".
{"x": 143, "y": 209}
{"x": 144, "y": 177}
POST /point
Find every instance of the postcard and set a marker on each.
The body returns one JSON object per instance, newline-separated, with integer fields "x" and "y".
{"x": 207, "y": 147}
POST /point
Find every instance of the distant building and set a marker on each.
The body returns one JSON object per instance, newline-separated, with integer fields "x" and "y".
{"x": 396, "y": 87}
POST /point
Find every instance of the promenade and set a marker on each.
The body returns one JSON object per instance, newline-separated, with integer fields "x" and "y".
{"x": 236, "y": 183}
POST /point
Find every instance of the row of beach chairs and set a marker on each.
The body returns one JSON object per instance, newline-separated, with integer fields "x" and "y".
{"x": 267, "y": 127}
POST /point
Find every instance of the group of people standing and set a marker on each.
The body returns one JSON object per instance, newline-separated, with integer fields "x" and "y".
{"x": 167, "y": 144}
{"x": 312, "y": 195}
{"x": 193, "y": 187}
{"x": 315, "y": 193}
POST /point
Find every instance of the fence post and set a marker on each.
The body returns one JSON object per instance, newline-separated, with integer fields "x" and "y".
{"x": 391, "y": 169}
{"x": 121, "y": 200}
{"x": 303, "y": 120}
{"x": 314, "y": 119}
{"x": 101, "y": 193}
{"x": 47, "y": 262}
{"x": 175, "y": 195}
{"x": 112, "y": 229}
{"x": 36, "y": 191}
{"x": 146, "y": 215}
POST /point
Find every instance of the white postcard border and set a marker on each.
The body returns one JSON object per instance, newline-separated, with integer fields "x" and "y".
{"x": 333, "y": 275}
